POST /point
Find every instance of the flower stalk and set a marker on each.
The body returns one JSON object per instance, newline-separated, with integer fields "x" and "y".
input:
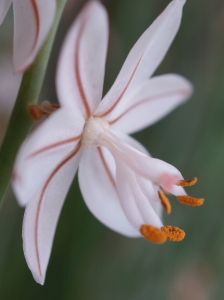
{"x": 21, "y": 123}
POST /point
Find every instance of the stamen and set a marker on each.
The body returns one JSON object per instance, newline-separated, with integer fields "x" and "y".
{"x": 189, "y": 182}
{"x": 190, "y": 200}
{"x": 153, "y": 234}
{"x": 165, "y": 201}
{"x": 174, "y": 234}
{"x": 45, "y": 108}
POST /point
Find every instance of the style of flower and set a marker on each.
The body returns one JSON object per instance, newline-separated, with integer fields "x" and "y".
{"x": 120, "y": 183}
{"x": 32, "y": 22}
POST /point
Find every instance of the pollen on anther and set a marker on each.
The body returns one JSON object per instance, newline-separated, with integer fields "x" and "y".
{"x": 164, "y": 201}
{"x": 174, "y": 234}
{"x": 190, "y": 200}
{"x": 153, "y": 234}
{"x": 189, "y": 182}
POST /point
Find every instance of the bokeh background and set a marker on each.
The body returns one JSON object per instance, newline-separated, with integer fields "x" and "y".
{"x": 89, "y": 261}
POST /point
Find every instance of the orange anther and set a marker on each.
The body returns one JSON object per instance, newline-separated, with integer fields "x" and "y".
{"x": 164, "y": 201}
{"x": 174, "y": 234}
{"x": 153, "y": 234}
{"x": 190, "y": 200}
{"x": 189, "y": 182}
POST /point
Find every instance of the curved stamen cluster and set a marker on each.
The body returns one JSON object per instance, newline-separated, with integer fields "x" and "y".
{"x": 142, "y": 168}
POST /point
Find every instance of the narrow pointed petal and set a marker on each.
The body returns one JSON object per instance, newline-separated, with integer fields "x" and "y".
{"x": 143, "y": 183}
{"x": 150, "y": 102}
{"x": 134, "y": 203}
{"x": 144, "y": 57}
{"x": 4, "y": 7}
{"x": 97, "y": 183}
{"x": 178, "y": 191}
{"x": 42, "y": 213}
{"x": 43, "y": 150}
{"x": 153, "y": 169}
{"x": 152, "y": 195}
{"x": 32, "y": 22}
{"x": 82, "y": 61}
{"x": 131, "y": 141}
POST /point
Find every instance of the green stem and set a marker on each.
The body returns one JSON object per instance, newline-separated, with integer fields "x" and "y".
{"x": 20, "y": 122}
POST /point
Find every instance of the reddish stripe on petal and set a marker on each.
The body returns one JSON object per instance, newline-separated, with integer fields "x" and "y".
{"x": 106, "y": 167}
{"x": 55, "y": 145}
{"x": 181, "y": 92}
{"x": 37, "y": 21}
{"x": 122, "y": 93}
{"x": 77, "y": 69}
{"x": 54, "y": 172}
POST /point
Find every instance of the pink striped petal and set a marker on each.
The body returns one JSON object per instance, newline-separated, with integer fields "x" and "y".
{"x": 32, "y": 22}
{"x": 143, "y": 183}
{"x": 42, "y": 213}
{"x": 4, "y": 7}
{"x": 150, "y": 102}
{"x": 82, "y": 60}
{"x": 144, "y": 57}
{"x": 134, "y": 202}
{"x": 98, "y": 186}
{"x": 43, "y": 150}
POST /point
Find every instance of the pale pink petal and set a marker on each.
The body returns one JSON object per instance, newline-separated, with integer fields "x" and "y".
{"x": 4, "y": 7}
{"x": 42, "y": 213}
{"x": 151, "y": 168}
{"x": 131, "y": 141}
{"x": 150, "y": 102}
{"x": 134, "y": 202}
{"x": 144, "y": 57}
{"x": 143, "y": 183}
{"x": 40, "y": 153}
{"x": 32, "y": 22}
{"x": 178, "y": 191}
{"x": 97, "y": 183}
{"x": 82, "y": 61}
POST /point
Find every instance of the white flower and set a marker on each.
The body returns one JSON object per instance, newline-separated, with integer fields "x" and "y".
{"x": 32, "y": 22}
{"x": 118, "y": 179}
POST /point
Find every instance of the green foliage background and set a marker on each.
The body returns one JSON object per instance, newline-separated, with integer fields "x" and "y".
{"x": 88, "y": 260}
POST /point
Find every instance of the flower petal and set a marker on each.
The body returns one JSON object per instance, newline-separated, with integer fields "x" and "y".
{"x": 150, "y": 102}
{"x": 32, "y": 22}
{"x": 4, "y": 7}
{"x": 143, "y": 183}
{"x": 133, "y": 201}
{"x": 97, "y": 183}
{"x": 153, "y": 169}
{"x": 43, "y": 150}
{"x": 82, "y": 60}
{"x": 131, "y": 141}
{"x": 144, "y": 57}
{"x": 42, "y": 213}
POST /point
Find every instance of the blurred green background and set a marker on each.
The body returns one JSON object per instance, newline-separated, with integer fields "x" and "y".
{"x": 88, "y": 260}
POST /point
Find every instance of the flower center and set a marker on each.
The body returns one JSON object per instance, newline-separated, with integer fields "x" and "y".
{"x": 94, "y": 132}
